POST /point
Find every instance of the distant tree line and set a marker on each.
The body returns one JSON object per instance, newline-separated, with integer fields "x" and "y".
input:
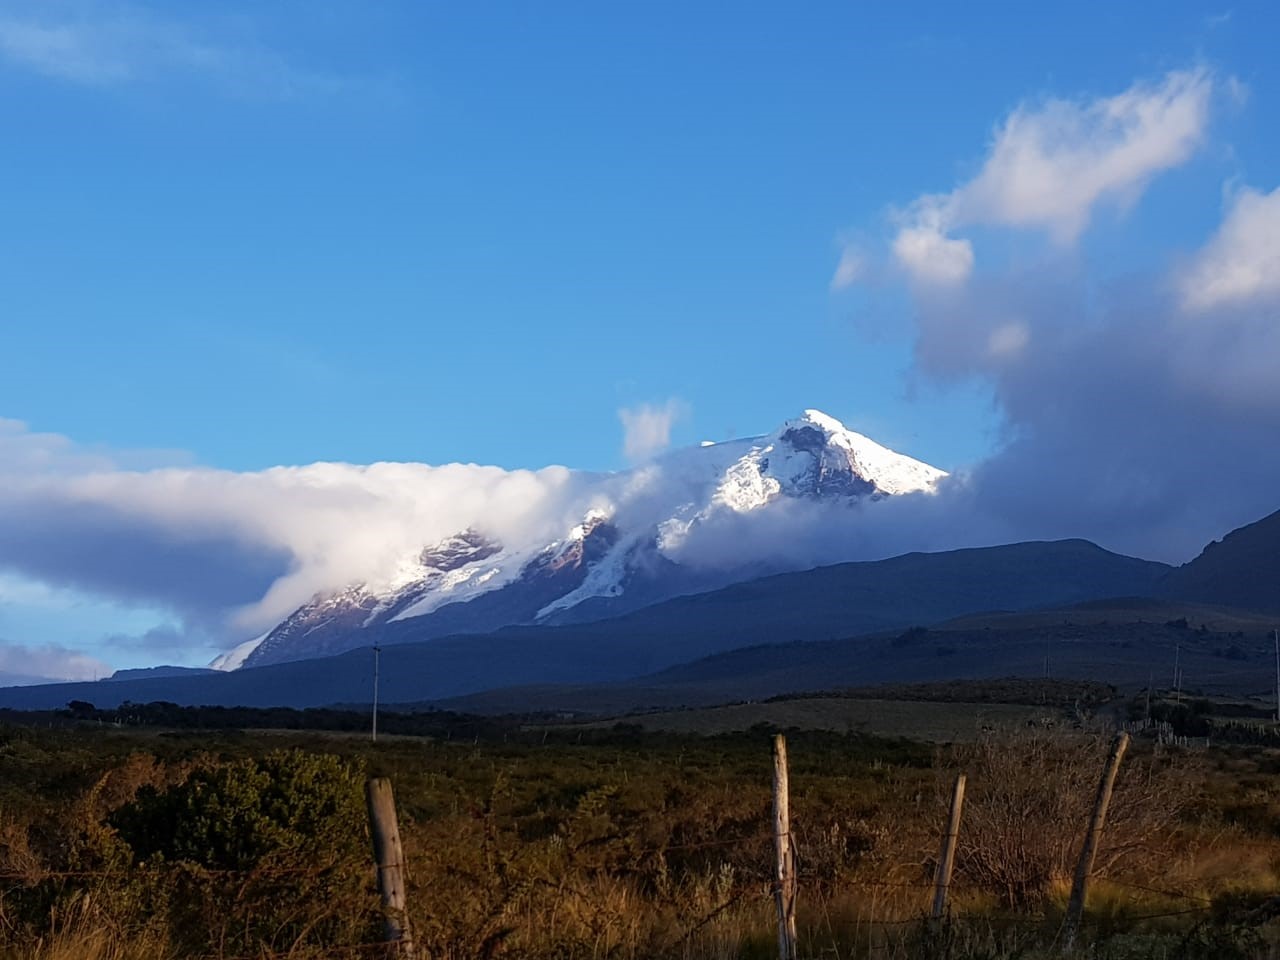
{"x": 161, "y": 713}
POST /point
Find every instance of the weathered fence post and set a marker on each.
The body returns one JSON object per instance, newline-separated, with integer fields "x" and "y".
{"x": 785, "y": 884}
{"x": 388, "y": 855}
{"x": 947, "y": 857}
{"x": 1080, "y": 888}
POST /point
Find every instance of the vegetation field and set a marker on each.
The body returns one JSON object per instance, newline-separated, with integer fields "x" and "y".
{"x": 938, "y": 722}
{"x": 150, "y": 842}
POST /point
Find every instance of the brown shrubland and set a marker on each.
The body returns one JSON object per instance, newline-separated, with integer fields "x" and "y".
{"x": 637, "y": 847}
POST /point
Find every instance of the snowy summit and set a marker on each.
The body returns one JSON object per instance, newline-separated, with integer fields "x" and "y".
{"x": 626, "y": 550}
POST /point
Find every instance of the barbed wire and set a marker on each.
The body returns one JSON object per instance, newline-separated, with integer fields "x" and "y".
{"x": 388, "y": 947}
{"x": 717, "y": 911}
{"x": 1171, "y": 913}
{"x": 1171, "y": 894}
{"x": 709, "y": 844}
{"x": 32, "y": 877}
{"x": 738, "y": 893}
{"x": 393, "y": 947}
{"x": 38, "y": 876}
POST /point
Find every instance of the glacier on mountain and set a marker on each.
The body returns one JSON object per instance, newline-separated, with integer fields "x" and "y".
{"x": 625, "y": 551}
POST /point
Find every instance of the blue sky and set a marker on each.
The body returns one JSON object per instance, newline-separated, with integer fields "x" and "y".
{"x": 469, "y": 233}
{"x": 244, "y": 235}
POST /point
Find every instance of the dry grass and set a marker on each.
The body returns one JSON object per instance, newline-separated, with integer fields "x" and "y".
{"x": 657, "y": 849}
{"x": 78, "y": 932}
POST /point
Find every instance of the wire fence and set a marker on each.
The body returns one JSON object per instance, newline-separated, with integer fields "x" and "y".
{"x": 733, "y": 894}
{"x": 739, "y": 891}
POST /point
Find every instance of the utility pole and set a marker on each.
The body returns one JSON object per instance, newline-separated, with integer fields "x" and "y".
{"x": 377, "y": 655}
{"x": 1276, "y": 636}
{"x": 1177, "y": 672}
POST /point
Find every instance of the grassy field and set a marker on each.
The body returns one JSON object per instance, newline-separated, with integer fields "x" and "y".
{"x": 624, "y": 842}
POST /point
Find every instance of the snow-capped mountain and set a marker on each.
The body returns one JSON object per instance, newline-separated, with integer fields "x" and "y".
{"x": 625, "y": 552}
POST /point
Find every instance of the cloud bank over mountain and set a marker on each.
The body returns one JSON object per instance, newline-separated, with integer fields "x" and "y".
{"x": 233, "y": 553}
{"x": 240, "y": 550}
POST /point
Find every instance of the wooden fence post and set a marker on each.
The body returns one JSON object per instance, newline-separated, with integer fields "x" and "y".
{"x": 947, "y": 857}
{"x": 785, "y": 884}
{"x": 1080, "y": 888}
{"x": 388, "y": 855}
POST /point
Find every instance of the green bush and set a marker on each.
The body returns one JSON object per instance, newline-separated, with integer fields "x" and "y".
{"x": 270, "y": 850}
{"x": 289, "y": 806}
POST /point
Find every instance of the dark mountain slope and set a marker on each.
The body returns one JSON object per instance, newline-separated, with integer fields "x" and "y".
{"x": 1240, "y": 570}
{"x": 820, "y": 604}
{"x": 1127, "y": 643}
{"x": 855, "y": 598}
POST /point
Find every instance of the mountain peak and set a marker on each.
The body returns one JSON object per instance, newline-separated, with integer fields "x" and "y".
{"x": 829, "y": 443}
{"x": 823, "y": 421}
{"x": 622, "y": 534}
{"x": 823, "y": 429}
{"x": 833, "y": 431}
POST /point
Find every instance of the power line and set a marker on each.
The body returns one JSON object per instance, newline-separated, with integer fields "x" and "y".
{"x": 377, "y": 656}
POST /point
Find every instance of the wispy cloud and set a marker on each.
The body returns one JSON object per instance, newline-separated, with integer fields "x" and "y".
{"x": 110, "y": 44}
{"x": 1142, "y": 415}
{"x": 646, "y": 429}
{"x": 1052, "y": 163}
{"x": 32, "y": 664}
{"x": 164, "y": 641}
{"x": 851, "y": 268}
{"x": 63, "y": 51}
{"x": 1240, "y": 265}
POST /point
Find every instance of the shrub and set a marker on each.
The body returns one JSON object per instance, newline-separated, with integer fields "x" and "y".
{"x": 283, "y": 833}
{"x": 1031, "y": 797}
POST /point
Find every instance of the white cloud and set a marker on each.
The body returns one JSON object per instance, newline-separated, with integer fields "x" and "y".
{"x": 248, "y": 547}
{"x": 647, "y": 429}
{"x": 850, "y": 269}
{"x": 927, "y": 253}
{"x": 1142, "y": 420}
{"x": 1237, "y": 91}
{"x": 62, "y": 51}
{"x": 32, "y": 664}
{"x": 1052, "y": 163}
{"x": 1240, "y": 264}
{"x": 1008, "y": 341}
{"x": 23, "y": 452}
